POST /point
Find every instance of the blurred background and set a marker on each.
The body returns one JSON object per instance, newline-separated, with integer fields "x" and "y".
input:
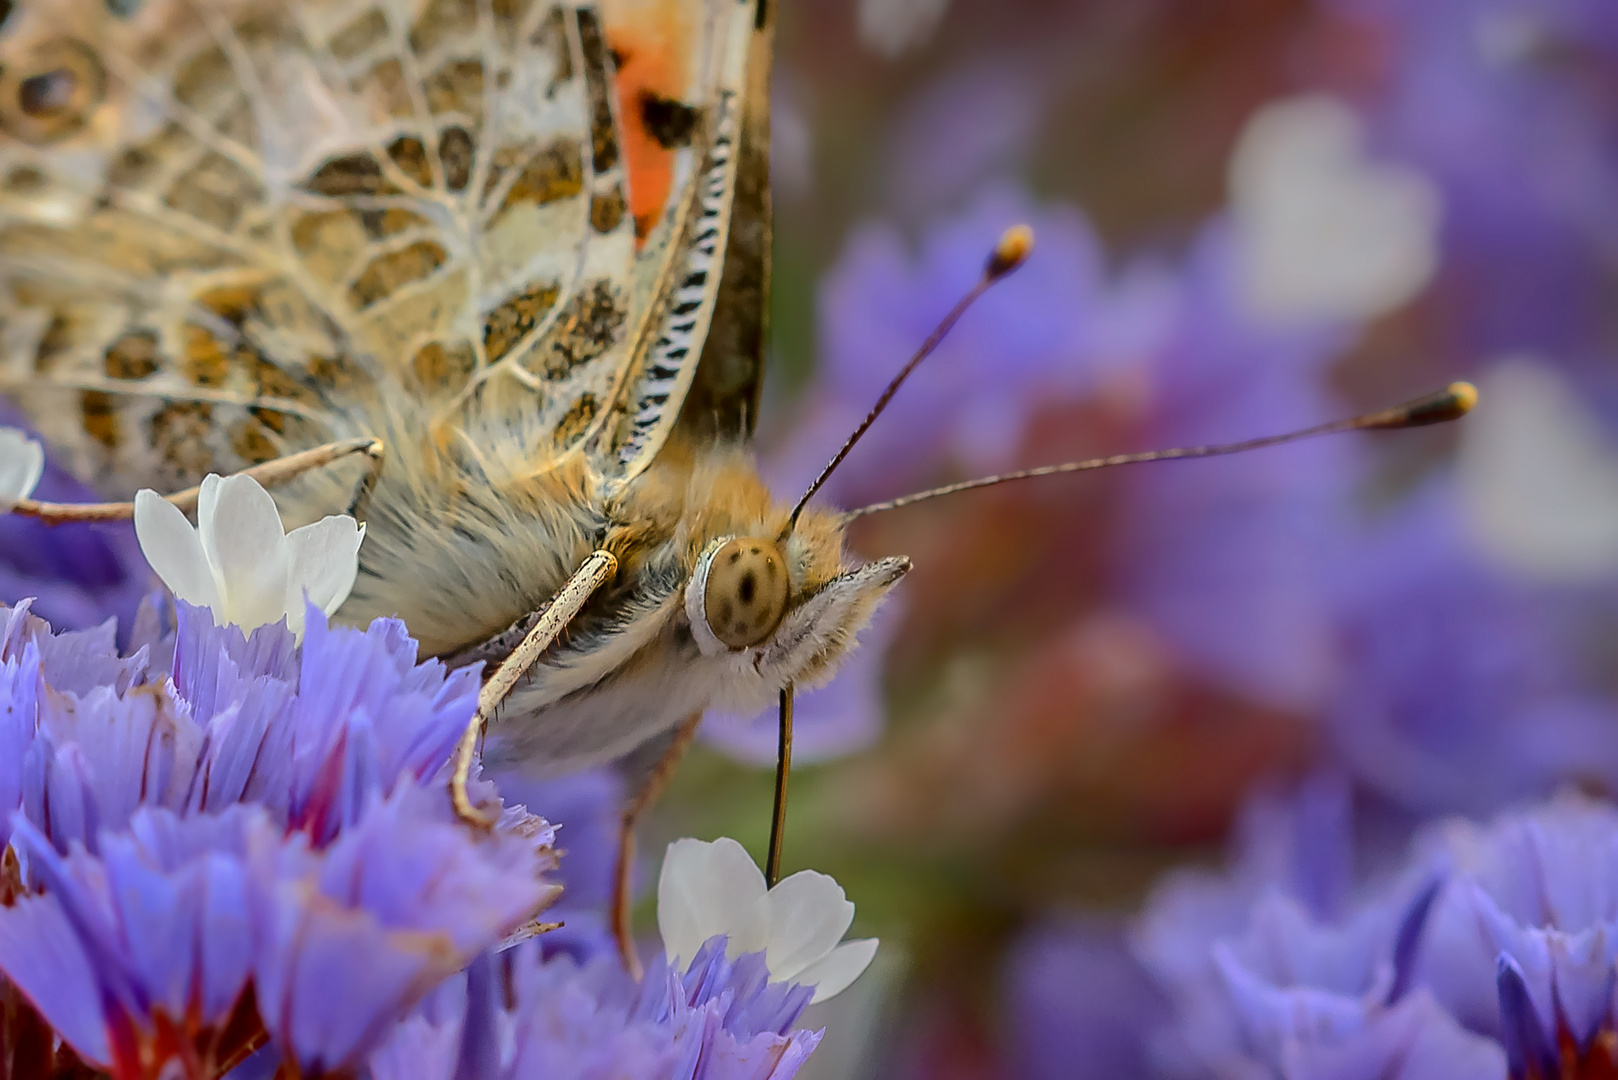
{"x": 1107, "y": 711}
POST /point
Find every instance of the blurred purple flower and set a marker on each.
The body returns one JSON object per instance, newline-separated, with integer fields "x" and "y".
{"x": 1079, "y": 1005}
{"x": 1524, "y": 938}
{"x": 721, "y": 1020}
{"x": 1457, "y": 688}
{"x": 969, "y": 127}
{"x": 80, "y": 575}
{"x": 1266, "y": 980}
{"x": 1315, "y": 998}
{"x": 1298, "y": 846}
{"x": 1229, "y": 558}
{"x": 1493, "y": 944}
{"x": 1052, "y": 330}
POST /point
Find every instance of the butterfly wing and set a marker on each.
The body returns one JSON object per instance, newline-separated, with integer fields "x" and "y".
{"x": 723, "y": 402}
{"x": 701, "y": 206}
{"x": 230, "y": 229}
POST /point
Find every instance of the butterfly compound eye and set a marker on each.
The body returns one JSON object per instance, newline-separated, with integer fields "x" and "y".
{"x": 746, "y": 592}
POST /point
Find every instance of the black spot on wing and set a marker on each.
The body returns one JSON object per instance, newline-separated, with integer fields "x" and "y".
{"x": 668, "y": 121}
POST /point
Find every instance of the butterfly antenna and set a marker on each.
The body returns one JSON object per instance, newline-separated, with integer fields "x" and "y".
{"x": 1010, "y": 252}
{"x": 1450, "y": 403}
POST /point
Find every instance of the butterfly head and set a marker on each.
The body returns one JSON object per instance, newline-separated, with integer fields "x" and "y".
{"x": 779, "y": 606}
{"x": 784, "y": 597}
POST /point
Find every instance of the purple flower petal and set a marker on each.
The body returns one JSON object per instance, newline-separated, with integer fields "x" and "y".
{"x": 353, "y": 935}
{"x": 1528, "y": 1046}
{"x": 41, "y": 954}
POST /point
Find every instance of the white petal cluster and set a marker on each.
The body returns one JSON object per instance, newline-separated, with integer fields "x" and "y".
{"x": 715, "y": 888}
{"x": 22, "y": 463}
{"x": 1327, "y": 232}
{"x": 240, "y": 561}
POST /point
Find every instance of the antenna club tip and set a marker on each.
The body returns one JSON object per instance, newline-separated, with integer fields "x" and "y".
{"x": 1010, "y": 252}
{"x": 1465, "y": 396}
{"x": 1439, "y": 407}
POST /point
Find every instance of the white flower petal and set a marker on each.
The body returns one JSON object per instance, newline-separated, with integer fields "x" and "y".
{"x": 323, "y": 560}
{"x": 838, "y": 971}
{"x": 808, "y": 914}
{"x": 207, "y": 506}
{"x": 208, "y": 501}
{"x": 22, "y": 463}
{"x": 245, "y": 544}
{"x": 707, "y": 889}
{"x": 174, "y": 550}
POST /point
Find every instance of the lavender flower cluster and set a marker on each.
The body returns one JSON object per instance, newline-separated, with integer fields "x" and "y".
{"x": 237, "y": 850}
{"x": 1486, "y": 953}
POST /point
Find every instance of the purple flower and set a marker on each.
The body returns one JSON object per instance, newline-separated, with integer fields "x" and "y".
{"x": 587, "y": 808}
{"x": 310, "y": 734}
{"x": 1470, "y": 697}
{"x": 1525, "y": 936}
{"x": 739, "y": 964}
{"x": 1493, "y": 947}
{"x": 1298, "y": 847}
{"x": 87, "y": 735}
{"x": 352, "y": 935}
{"x": 1315, "y": 995}
{"x": 267, "y": 818}
{"x": 721, "y": 1020}
{"x": 1079, "y": 1005}
{"x": 1266, "y": 978}
{"x": 80, "y": 575}
{"x": 150, "y": 944}
{"x": 146, "y": 944}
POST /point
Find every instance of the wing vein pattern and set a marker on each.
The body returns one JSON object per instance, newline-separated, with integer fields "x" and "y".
{"x": 490, "y": 231}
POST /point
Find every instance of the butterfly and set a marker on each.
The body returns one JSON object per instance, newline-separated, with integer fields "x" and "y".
{"x": 515, "y": 249}
{"x": 489, "y": 274}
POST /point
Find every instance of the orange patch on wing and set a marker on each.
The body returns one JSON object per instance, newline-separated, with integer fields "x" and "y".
{"x": 653, "y": 61}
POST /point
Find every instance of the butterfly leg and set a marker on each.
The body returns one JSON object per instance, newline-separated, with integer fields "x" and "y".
{"x": 270, "y": 474}
{"x": 651, "y": 789}
{"x": 595, "y": 570}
